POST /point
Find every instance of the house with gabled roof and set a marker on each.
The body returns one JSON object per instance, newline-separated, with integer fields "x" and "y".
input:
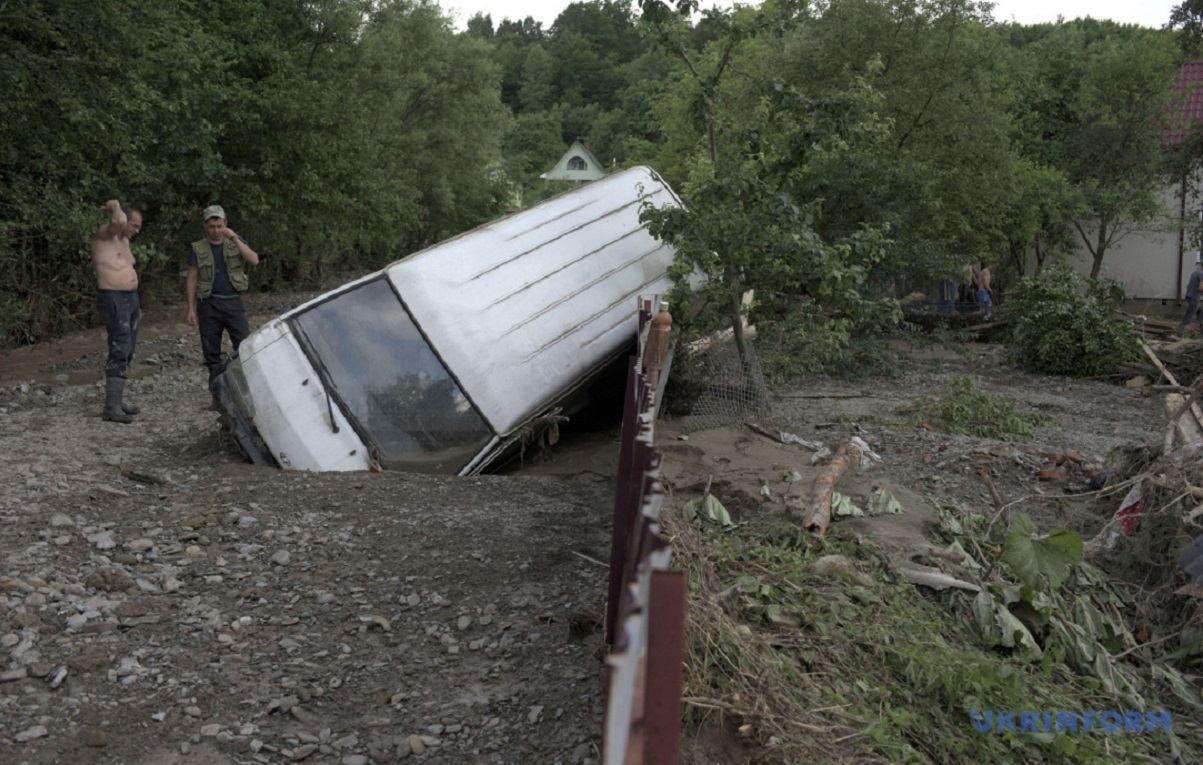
{"x": 1153, "y": 262}
{"x": 577, "y": 164}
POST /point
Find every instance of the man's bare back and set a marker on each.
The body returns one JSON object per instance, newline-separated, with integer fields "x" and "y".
{"x": 111, "y": 254}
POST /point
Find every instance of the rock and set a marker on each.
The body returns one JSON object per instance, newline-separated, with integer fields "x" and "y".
{"x": 109, "y": 580}
{"x": 463, "y": 623}
{"x": 355, "y": 759}
{"x": 76, "y": 621}
{"x": 89, "y": 660}
{"x": 140, "y": 545}
{"x": 304, "y": 751}
{"x": 29, "y": 734}
{"x": 210, "y": 730}
{"x": 9, "y": 640}
{"x": 192, "y": 711}
{"x": 536, "y": 711}
{"x": 415, "y": 745}
{"x": 40, "y": 669}
{"x": 281, "y": 558}
{"x": 13, "y": 675}
{"x": 59, "y": 520}
{"x": 103, "y": 540}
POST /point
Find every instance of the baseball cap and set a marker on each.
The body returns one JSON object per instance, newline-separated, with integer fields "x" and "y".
{"x": 214, "y": 211}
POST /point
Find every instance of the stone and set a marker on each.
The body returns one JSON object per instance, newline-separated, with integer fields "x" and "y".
{"x": 29, "y": 734}
{"x": 210, "y": 730}
{"x": 60, "y": 520}
{"x": 415, "y": 745}
{"x": 109, "y": 580}
{"x": 303, "y": 751}
{"x": 281, "y": 558}
{"x": 463, "y": 623}
{"x": 89, "y": 660}
{"x": 355, "y": 759}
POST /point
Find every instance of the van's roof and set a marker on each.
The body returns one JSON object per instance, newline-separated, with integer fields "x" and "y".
{"x": 519, "y": 309}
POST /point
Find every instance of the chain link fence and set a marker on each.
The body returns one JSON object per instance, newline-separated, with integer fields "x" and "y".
{"x": 713, "y": 386}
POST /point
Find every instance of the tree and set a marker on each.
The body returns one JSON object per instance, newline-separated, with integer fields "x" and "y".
{"x": 744, "y": 226}
{"x": 1095, "y": 111}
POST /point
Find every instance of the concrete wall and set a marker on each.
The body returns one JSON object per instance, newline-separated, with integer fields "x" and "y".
{"x": 1145, "y": 261}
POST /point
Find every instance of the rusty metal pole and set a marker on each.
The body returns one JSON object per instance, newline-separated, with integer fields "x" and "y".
{"x": 620, "y": 527}
{"x": 665, "y": 668}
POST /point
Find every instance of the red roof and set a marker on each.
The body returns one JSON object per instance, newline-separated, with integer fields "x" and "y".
{"x": 1190, "y": 86}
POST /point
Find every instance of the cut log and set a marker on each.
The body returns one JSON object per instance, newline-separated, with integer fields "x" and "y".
{"x": 818, "y": 515}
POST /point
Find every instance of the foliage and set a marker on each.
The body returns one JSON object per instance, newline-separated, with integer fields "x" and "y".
{"x": 802, "y": 341}
{"x": 964, "y": 408}
{"x": 1097, "y": 95}
{"x": 338, "y": 135}
{"x": 1059, "y": 325}
{"x": 821, "y": 655}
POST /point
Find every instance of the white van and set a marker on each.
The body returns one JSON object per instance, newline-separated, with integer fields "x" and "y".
{"x": 443, "y": 360}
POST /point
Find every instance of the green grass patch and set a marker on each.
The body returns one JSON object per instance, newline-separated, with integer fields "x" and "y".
{"x": 964, "y": 408}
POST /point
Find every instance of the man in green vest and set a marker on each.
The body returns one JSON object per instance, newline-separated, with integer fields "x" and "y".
{"x": 217, "y": 277}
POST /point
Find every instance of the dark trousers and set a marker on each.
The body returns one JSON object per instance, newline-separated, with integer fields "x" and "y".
{"x": 1192, "y": 313}
{"x": 216, "y": 315}
{"x": 121, "y": 314}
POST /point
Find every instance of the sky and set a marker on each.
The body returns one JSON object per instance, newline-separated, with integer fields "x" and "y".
{"x": 1150, "y": 13}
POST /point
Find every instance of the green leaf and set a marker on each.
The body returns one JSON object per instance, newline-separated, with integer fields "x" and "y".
{"x": 1040, "y": 560}
{"x": 708, "y": 510}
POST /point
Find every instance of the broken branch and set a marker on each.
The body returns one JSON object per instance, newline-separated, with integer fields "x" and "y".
{"x": 818, "y": 517}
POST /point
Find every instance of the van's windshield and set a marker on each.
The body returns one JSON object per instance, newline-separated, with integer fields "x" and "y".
{"x": 394, "y": 386}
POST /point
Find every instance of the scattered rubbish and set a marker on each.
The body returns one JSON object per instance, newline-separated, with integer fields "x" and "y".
{"x": 1127, "y": 518}
{"x": 1191, "y": 561}
{"x": 936, "y": 580}
{"x": 820, "y": 455}
{"x": 790, "y": 438}
{"x": 784, "y": 437}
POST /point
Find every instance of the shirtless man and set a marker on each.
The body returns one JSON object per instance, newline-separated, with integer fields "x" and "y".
{"x": 985, "y": 294}
{"x": 117, "y": 299}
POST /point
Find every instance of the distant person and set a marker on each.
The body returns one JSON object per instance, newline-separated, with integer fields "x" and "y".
{"x": 117, "y": 300}
{"x": 967, "y": 289}
{"x": 217, "y": 277}
{"x": 985, "y": 295}
{"x": 1192, "y": 297}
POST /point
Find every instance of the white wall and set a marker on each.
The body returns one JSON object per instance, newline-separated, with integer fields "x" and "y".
{"x": 1145, "y": 260}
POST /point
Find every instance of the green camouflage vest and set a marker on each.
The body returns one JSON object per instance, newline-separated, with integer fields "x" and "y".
{"x": 206, "y": 268}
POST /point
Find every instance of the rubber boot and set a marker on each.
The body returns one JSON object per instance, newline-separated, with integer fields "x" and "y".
{"x": 129, "y": 408}
{"x": 113, "y": 388}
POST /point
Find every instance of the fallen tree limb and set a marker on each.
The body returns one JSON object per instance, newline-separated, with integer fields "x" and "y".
{"x": 818, "y": 516}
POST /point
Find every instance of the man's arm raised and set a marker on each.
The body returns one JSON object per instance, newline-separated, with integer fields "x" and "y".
{"x": 244, "y": 249}
{"x": 117, "y": 221}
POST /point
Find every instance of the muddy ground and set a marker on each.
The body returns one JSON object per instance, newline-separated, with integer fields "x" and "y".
{"x": 163, "y": 602}
{"x": 1089, "y": 417}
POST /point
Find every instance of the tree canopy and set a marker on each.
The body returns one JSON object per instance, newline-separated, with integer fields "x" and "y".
{"x": 342, "y": 135}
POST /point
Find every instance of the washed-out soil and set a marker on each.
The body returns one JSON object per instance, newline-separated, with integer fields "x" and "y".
{"x": 162, "y": 601}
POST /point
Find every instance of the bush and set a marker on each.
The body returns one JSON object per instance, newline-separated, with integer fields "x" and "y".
{"x": 964, "y": 408}
{"x": 804, "y": 342}
{"x": 1061, "y": 325}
